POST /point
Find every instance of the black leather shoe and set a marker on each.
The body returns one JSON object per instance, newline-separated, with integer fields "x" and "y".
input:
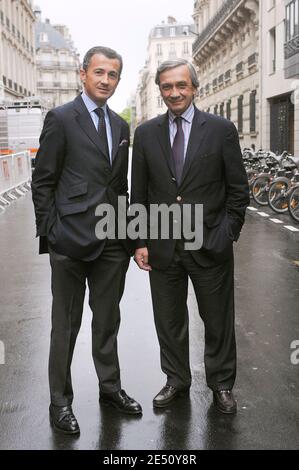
{"x": 63, "y": 419}
{"x": 225, "y": 402}
{"x": 122, "y": 402}
{"x": 167, "y": 395}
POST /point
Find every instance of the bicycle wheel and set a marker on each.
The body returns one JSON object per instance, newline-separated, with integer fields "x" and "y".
{"x": 251, "y": 175}
{"x": 260, "y": 189}
{"x": 294, "y": 203}
{"x": 278, "y": 195}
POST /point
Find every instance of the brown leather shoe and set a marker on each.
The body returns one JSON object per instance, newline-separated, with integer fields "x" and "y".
{"x": 167, "y": 395}
{"x": 63, "y": 419}
{"x": 225, "y": 402}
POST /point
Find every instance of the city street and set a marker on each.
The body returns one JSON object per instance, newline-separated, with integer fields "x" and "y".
{"x": 267, "y": 322}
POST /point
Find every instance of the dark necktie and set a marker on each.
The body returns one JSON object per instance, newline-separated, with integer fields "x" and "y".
{"x": 102, "y": 130}
{"x": 178, "y": 149}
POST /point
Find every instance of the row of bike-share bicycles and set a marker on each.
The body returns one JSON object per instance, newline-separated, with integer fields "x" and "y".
{"x": 273, "y": 180}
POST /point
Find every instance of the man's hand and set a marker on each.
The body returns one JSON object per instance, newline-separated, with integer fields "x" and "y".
{"x": 141, "y": 258}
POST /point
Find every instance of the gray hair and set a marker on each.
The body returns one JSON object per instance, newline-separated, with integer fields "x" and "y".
{"x": 106, "y": 51}
{"x": 171, "y": 64}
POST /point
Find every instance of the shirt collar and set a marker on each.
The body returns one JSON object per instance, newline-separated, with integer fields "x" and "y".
{"x": 187, "y": 115}
{"x": 91, "y": 105}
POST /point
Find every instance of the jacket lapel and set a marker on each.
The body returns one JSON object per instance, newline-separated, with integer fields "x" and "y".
{"x": 115, "y": 124}
{"x": 85, "y": 122}
{"x": 164, "y": 140}
{"x": 196, "y": 138}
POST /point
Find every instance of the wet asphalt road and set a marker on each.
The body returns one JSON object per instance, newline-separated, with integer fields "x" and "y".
{"x": 267, "y": 321}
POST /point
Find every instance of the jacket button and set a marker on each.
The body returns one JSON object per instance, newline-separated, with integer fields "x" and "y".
{"x": 179, "y": 199}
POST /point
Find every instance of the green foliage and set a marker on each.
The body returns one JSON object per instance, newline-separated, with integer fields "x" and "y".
{"x": 126, "y": 115}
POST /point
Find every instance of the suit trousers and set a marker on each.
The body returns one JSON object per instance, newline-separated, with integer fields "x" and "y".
{"x": 214, "y": 290}
{"x": 106, "y": 278}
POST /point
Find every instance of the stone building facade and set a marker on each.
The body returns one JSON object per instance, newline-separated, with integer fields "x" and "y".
{"x": 57, "y": 63}
{"x": 168, "y": 40}
{"x": 279, "y": 26}
{"x": 226, "y": 55}
{"x": 17, "y": 49}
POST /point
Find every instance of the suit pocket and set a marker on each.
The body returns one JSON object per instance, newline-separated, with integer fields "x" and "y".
{"x": 205, "y": 156}
{"x": 77, "y": 190}
{"x": 73, "y": 208}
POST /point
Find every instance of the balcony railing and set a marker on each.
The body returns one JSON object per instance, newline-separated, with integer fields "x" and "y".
{"x": 55, "y": 85}
{"x": 227, "y": 8}
{"x": 56, "y": 64}
{"x": 291, "y": 47}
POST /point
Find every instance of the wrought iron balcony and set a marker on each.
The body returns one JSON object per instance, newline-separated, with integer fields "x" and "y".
{"x": 227, "y": 8}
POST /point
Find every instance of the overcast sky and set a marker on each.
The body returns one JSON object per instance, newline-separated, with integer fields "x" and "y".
{"x": 123, "y": 25}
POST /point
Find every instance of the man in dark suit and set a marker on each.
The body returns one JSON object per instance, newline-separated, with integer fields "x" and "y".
{"x": 191, "y": 157}
{"x": 82, "y": 163}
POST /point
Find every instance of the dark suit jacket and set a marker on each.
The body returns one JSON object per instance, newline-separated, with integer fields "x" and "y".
{"x": 213, "y": 175}
{"x": 73, "y": 175}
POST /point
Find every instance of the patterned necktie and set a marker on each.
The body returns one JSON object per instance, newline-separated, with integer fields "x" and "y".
{"x": 178, "y": 149}
{"x": 102, "y": 129}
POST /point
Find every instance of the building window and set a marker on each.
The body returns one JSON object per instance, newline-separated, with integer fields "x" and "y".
{"x": 239, "y": 68}
{"x": 252, "y": 104}
{"x": 158, "y": 32}
{"x": 292, "y": 20}
{"x": 240, "y": 114}
{"x": 159, "y": 49}
{"x": 43, "y": 37}
{"x": 172, "y": 32}
{"x": 227, "y": 75}
{"x": 160, "y": 102}
{"x": 272, "y": 38}
{"x": 186, "y": 48}
{"x": 222, "y": 110}
{"x": 172, "y": 53}
{"x": 7, "y": 23}
{"x": 186, "y": 30}
{"x": 228, "y": 110}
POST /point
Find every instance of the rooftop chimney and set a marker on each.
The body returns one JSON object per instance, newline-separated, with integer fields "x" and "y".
{"x": 171, "y": 20}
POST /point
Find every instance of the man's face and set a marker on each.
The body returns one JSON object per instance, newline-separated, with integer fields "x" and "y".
{"x": 101, "y": 78}
{"x": 176, "y": 89}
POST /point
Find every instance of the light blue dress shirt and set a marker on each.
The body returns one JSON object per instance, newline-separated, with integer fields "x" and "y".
{"x": 91, "y": 106}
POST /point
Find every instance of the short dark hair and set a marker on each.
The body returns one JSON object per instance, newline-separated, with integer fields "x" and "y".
{"x": 106, "y": 51}
{"x": 171, "y": 64}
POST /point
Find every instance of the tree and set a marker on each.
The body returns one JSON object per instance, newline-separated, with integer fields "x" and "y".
{"x": 126, "y": 115}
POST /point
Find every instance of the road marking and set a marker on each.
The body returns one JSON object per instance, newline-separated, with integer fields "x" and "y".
{"x": 252, "y": 209}
{"x": 291, "y": 228}
{"x": 277, "y": 221}
{"x": 263, "y": 214}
